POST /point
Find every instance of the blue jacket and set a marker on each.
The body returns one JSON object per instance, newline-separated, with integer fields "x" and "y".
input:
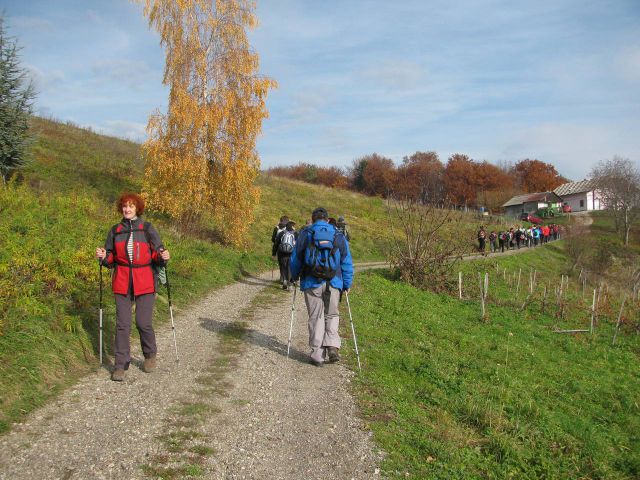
{"x": 344, "y": 276}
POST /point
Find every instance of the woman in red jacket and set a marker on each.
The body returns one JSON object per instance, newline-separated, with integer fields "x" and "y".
{"x": 132, "y": 247}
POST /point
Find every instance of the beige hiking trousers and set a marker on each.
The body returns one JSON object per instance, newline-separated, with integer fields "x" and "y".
{"x": 322, "y": 305}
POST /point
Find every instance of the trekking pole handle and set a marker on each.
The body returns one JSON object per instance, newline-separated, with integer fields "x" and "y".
{"x": 166, "y": 276}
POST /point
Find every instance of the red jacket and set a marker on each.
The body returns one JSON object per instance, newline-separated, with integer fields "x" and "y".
{"x": 146, "y": 248}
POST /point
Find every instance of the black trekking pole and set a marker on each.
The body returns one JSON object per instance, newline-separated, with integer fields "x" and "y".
{"x": 173, "y": 326}
{"x": 353, "y": 331}
{"x": 100, "y": 341}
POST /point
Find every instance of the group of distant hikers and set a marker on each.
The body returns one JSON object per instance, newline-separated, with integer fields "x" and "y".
{"x": 317, "y": 256}
{"x": 516, "y": 237}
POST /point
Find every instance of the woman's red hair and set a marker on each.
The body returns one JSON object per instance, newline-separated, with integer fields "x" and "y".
{"x": 134, "y": 198}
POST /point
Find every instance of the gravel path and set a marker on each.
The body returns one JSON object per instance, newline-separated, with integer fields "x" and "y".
{"x": 234, "y": 407}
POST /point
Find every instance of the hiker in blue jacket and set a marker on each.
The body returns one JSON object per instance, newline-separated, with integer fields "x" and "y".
{"x": 322, "y": 261}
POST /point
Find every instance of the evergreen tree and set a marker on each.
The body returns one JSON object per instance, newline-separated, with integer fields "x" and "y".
{"x": 16, "y": 102}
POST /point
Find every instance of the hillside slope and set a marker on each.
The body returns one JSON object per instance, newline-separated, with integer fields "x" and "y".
{"x": 52, "y": 219}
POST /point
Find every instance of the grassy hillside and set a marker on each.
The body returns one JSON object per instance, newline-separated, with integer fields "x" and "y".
{"x": 449, "y": 396}
{"x": 61, "y": 208}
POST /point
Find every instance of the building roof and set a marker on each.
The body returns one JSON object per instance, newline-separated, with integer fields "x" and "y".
{"x": 575, "y": 187}
{"x": 533, "y": 197}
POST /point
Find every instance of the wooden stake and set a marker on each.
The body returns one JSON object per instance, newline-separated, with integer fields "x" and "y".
{"x": 530, "y": 282}
{"x": 481, "y": 296}
{"x": 593, "y": 311}
{"x": 615, "y": 334}
{"x": 460, "y": 284}
{"x": 518, "y": 287}
{"x": 486, "y": 285}
{"x": 561, "y": 284}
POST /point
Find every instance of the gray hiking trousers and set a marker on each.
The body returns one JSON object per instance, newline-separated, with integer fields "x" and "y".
{"x": 322, "y": 305}
{"x": 144, "y": 312}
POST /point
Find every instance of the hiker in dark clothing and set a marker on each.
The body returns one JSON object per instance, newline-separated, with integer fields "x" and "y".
{"x": 341, "y": 226}
{"x": 502, "y": 239}
{"x": 283, "y": 247}
{"x": 279, "y": 228}
{"x": 131, "y": 248}
{"x": 493, "y": 241}
{"x": 482, "y": 234}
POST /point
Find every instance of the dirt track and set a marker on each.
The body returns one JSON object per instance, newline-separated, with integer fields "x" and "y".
{"x": 264, "y": 416}
{"x": 234, "y": 407}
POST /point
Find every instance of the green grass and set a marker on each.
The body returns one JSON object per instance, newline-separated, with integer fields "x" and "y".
{"x": 448, "y": 396}
{"x": 57, "y": 212}
{"x": 55, "y": 215}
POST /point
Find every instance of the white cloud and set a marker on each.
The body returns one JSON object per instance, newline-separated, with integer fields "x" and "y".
{"x": 573, "y": 149}
{"x": 45, "y": 80}
{"x": 308, "y": 106}
{"x": 627, "y": 63}
{"x": 134, "y": 74}
{"x": 31, "y": 23}
{"x": 124, "y": 129}
{"x": 396, "y": 74}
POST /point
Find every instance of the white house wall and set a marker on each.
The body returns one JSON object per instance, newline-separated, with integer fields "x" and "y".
{"x": 574, "y": 201}
{"x": 588, "y": 203}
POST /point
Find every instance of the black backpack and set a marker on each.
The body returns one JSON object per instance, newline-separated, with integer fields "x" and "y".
{"x": 287, "y": 242}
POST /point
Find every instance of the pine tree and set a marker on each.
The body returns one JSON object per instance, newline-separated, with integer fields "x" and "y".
{"x": 16, "y": 102}
{"x": 201, "y": 155}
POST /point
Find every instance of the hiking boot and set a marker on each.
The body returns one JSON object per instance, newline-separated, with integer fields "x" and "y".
{"x": 117, "y": 375}
{"x": 149, "y": 364}
{"x": 333, "y": 354}
{"x": 316, "y": 363}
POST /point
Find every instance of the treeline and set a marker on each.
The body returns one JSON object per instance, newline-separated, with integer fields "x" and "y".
{"x": 425, "y": 178}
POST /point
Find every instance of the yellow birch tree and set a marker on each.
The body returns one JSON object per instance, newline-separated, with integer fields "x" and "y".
{"x": 201, "y": 155}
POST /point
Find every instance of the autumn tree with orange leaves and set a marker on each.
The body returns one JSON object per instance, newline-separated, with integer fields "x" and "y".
{"x": 537, "y": 176}
{"x": 420, "y": 178}
{"x": 201, "y": 155}
{"x": 459, "y": 180}
{"x": 374, "y": 175}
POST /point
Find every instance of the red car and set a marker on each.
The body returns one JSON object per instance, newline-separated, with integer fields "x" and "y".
{"x": 527, "y": 217}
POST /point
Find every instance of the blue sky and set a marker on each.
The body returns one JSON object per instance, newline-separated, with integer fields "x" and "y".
{"x": 497, "y": 80}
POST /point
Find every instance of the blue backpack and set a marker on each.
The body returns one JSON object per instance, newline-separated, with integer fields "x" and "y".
{"x": 322, "y": 255}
